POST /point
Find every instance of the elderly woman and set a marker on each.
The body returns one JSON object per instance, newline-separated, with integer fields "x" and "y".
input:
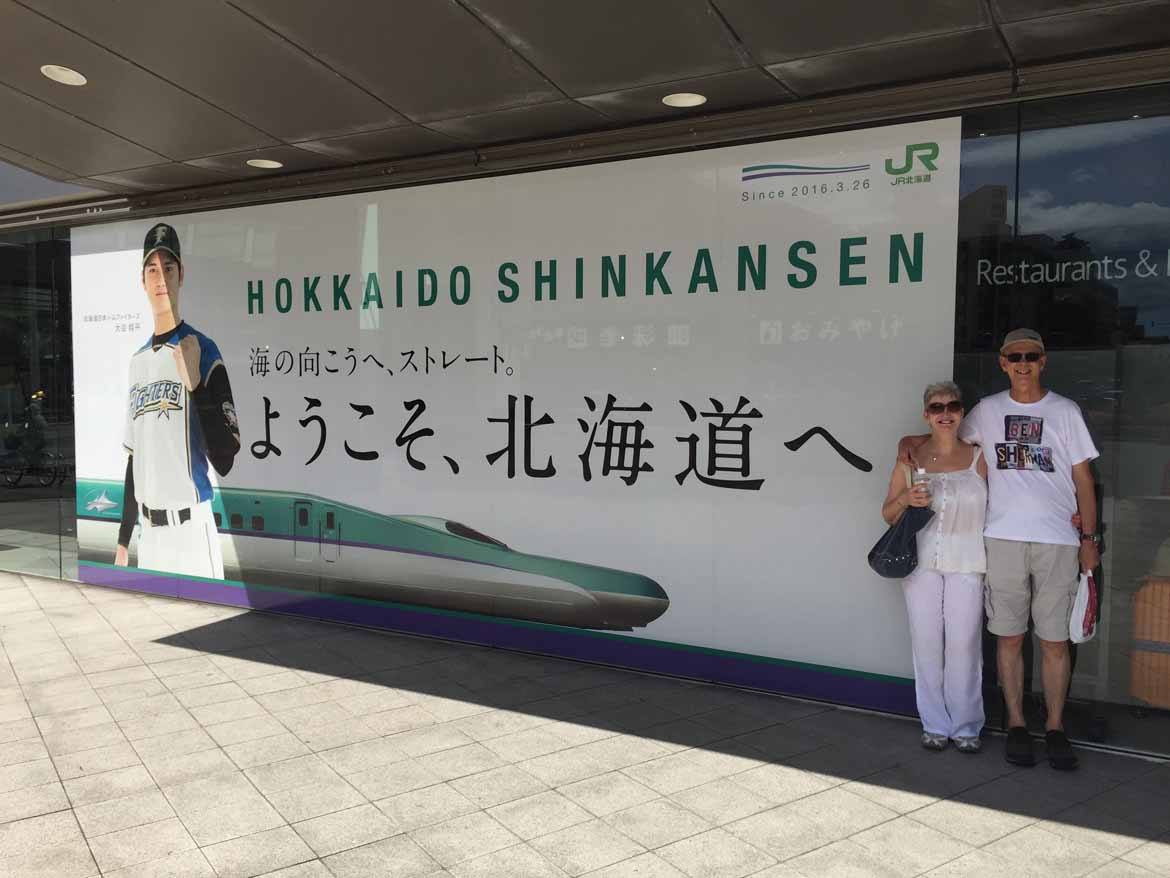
{"x": 944, "y": 595}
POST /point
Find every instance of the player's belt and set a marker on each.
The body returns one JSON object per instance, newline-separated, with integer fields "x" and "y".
{"x": 159, "y": 518}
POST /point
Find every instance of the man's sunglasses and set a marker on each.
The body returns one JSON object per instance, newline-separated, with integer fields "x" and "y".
{"x": 1029, "y": 357}
{"x": 937, "y": 408}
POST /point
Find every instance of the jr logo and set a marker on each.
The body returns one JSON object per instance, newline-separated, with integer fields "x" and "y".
{"x": 926, "y": 153}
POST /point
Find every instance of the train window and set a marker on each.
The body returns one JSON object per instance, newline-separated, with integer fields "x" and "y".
{"x": 257, "y": 522}
{"x": 462, "y": 530}
{"x": 303, "y": 516}
{"x": 237, "y": 521}
{"x": 329, "y": 521}
{"x": 218, "y": 519}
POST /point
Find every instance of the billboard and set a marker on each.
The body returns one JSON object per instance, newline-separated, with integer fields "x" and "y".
{"x": 640, "y": 412}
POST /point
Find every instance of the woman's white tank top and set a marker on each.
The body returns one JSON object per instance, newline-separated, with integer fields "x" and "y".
{"x": 952, "y": 541}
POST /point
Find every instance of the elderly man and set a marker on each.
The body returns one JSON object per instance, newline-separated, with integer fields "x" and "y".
{"x": 1038, "y": 453}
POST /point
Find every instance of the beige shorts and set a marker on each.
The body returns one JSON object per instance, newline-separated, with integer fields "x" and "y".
{"x": 1038, "y": 576}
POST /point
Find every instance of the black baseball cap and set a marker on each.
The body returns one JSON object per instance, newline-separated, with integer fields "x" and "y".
{"x": 161, "y": 237}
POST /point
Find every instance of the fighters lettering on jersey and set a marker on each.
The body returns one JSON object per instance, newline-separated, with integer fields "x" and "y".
{"x": 159, "y": 397}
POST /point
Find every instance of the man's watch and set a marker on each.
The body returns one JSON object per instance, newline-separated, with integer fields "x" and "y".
{"x": 1095, "y": 539}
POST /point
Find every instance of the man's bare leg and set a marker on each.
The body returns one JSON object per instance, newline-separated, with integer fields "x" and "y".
{"x": 1010, "y": 661}
{"x": 1055, "y": 668}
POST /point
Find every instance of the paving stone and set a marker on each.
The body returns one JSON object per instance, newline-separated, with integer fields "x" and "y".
{"x": 227, "y": 711}
{"x": 390, "y": 780}
{"x": 18, "y": 730}
{"x": 1103, "y": 832}
{"x": 844, "y": 858}
{"x": 362, "y": 756}
{"x": 311, "y": 869}
{"x": 32, "y": 801}
{"x": 314, "y": 800}
{"x": 108, "y": 785}
{"x": 540, "y": 814}
{"x": 397, "y": 857}
{"x": 648, "y": 865}
{"x": 286, "y": 775}
{"x": 205, "y": 695}
{"x": 37, "y": 833}
{"x": 132, "y": 674}
{"x": 266, "y": 750}
{"x": 499, "y": 785}
{"x": 1152, "y": 855}
{"x": 342, "y": 830}
{"x": 140, "y": 844}
{"x": 840, "y": 813}
{"x": 657, "y": 823}
{"x": 27, "y": 774}
{"x": 781, "y": 833}
{"x": 1047, "y": 851}
{"x": 586, "y": 847}
{"x": 909, "y": 847}
{"x": 463, "y": 838}
{"x": 221, "y": 807}
{"x": 977, "y": 864}
{"x": 73, "y": 720}
{"x": 400, "y": 719}
{"x": 715, "y": 854}
{"x": 153, "y": 726}
{"x": 563, "y": 767}
{"x": 168, "y": 770}
{"x": 722, "y": 801}
{"x": 69, "y": 860}
{"x": 86, "y": 762}
{"x": 258, "y": 853}
{"x": 781, "y": 784}
{"x": 333, "y": 735}
{"x": 186, "y": 864}
{"x": 113, "y": 815}
{"x": 1121, "y": 869}
{"x": 64, "y": 702}
{"x": 248, "y": 729}
{"x": 426, "y": 806}
{"x": 608, "y": 793}
{"x": 518, "y": 861}
{"x": 144, "y": 708}
{"x": 174, "y": 745}
{"x": 137, "y": 689}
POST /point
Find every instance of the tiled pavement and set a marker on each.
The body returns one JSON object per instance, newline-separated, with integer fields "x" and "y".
{"x": 141, "y": 736}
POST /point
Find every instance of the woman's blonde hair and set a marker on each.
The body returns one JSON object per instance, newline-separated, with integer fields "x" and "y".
{"x": 950, "y": 388}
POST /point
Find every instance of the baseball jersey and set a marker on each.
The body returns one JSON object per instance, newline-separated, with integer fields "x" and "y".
{"x": 162, "y": 425}
{"x": 1030, "y": 449}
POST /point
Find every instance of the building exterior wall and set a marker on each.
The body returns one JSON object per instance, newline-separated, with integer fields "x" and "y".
{"x": 1059, "y": 225}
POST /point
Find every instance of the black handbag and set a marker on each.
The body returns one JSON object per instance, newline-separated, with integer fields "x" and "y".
{"x": 895, "y": 555}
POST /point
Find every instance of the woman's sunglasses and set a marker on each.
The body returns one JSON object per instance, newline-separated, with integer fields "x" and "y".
{"x": 953, "y": 407}
{"x": 1029, "y": 357}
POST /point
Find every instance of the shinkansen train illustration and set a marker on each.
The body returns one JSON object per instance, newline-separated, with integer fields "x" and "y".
{"x": 312, "y": 544}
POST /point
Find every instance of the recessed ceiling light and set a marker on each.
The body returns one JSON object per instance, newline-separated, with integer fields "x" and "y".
{"x": 63, "y": 75}
{"x": 1136, "y": 116}
{"x": 982, "y": 133}
{"x": 684, "y": 99}
{"x": 265, "y": 164}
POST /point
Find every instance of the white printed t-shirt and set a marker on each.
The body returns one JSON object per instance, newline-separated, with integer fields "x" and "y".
{"x": 1030, "y": 449}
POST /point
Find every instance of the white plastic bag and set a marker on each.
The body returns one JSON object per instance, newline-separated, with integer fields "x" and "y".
{"x": 1082, "y": 624}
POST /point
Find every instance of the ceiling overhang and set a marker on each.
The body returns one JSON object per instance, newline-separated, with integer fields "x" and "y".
{"x": 405, "y": 93}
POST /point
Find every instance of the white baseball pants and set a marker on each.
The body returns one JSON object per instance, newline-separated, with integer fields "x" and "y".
{"x": 187, "y": 549}
{"x": 946, "y": 621}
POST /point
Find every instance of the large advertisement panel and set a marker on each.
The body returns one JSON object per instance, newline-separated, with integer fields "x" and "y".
{"x": 641, "y": 412}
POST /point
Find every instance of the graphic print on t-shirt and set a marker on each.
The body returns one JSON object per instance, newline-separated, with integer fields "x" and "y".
{"x": 1021, "y": 449}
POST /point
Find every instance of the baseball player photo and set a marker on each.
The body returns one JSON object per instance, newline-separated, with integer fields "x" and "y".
{"x": 179, "y": 419}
